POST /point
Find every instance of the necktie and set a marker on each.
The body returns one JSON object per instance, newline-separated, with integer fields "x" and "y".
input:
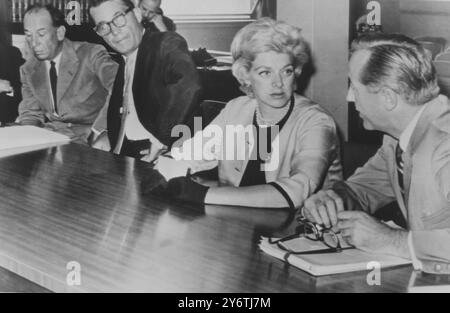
{"x": 53, "y": 82}
{"x": 399, "y": 162}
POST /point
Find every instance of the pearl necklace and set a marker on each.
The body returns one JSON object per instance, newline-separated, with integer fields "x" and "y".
{"x": 266, "y": 122}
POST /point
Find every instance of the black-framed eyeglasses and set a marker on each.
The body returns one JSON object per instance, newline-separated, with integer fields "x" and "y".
{"x": 312, "y": 232}
{"x": 119, "y": 21}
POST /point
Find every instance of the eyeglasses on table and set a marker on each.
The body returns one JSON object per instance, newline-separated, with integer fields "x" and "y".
{"x": 313, "y": 232}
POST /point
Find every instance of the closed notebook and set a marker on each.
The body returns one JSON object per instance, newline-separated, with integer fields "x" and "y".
{"x": 20, "y": 139}
{"x": 428, "y": 283}
{"x": 170, "y": 168}
{"x": 349, "y": 260}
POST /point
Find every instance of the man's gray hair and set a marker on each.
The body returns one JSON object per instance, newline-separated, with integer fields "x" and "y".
{"x": 399, "y": 63}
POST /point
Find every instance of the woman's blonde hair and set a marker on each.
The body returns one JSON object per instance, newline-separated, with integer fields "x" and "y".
{"x": 265, "y": 35}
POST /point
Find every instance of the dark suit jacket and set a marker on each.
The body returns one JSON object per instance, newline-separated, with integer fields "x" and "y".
{"x": 166, "y": 87}
{"x": 10, "y": 62}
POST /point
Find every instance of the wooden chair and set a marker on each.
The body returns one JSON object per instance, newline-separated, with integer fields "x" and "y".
{"x": 209, "y": 109}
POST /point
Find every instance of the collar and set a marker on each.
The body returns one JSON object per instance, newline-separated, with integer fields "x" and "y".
{"x": 57, "y": 61}
{"x": 131, "y": 57}
{"x": 406, "y": 135}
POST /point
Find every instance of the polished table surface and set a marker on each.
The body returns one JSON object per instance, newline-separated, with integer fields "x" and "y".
{"x": 72, "y": 203}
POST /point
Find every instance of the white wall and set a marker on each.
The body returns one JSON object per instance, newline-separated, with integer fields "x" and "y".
{"x": 325, "y": 25}
{"x": 213, "y": 35}
{"x": 201, "y": 7}
{"x": 425, "y": 18}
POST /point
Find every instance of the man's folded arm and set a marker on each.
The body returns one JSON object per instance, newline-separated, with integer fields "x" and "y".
{"x": 370, "y": 187}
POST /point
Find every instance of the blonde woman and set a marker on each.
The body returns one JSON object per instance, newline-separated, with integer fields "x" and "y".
{"x": 292, "y": 150}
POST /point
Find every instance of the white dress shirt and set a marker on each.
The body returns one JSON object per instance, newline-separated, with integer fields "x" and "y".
{"x": 405, "y": 137}
{"x": 57, "y": 61}
{"x": 134, "y": 130}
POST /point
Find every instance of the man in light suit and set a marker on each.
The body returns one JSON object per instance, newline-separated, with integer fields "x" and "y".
{"x": 65, "y": 84}
{"x": 156, "y": 88}
{"x": 394, "y": 86}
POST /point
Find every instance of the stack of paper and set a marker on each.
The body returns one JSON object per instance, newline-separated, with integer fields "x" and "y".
{"x": 20, "y": 139}
{"x": 429, "y": 283}
{"x": 328, "y": 263}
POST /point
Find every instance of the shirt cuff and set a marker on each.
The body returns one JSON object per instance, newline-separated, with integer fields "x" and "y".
{"x": 96, "y": 133}
{"x": 415, "y": 261}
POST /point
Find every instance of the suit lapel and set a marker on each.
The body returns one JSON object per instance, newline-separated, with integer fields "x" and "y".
{"x": 41, "y": 84}
{"x": 67, "y": 69}
{"x": 250, "y": 145}
{"x": 419, "y": 132}
{"x": 146, "y": 59}
{"x": 250, "y": 141}
{"x": 138, "y": 76}
{"x": 114, "y": 116}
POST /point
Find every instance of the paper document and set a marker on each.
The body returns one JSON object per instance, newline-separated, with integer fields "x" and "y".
{"x": 171, "y": 168}
{"x": 328, "y": 263}
{"x": 428, "y": 283}
{"x": 20, "y": 139}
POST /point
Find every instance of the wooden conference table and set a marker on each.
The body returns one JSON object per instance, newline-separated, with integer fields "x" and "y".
{"x": 72, "y": 203}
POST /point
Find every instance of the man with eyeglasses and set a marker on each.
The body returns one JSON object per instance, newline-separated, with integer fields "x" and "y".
{"x": 156, "y": 89}
{"x": 65, "y": 84}
{"x": 394, "y": 87}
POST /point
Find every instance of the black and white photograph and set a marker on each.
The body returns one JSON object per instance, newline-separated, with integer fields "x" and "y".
{"x": 224, "y": 152}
